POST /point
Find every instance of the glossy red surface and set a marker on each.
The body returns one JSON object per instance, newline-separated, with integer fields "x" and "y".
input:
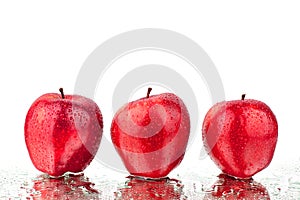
{"x": 63, "y": 135}
{"x": 151, "y": 134}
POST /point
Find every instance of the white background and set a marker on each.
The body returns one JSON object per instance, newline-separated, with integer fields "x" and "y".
{"x": 255, "y": 46}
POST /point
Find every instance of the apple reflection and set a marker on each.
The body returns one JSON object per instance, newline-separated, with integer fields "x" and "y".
{"x": 229, "y": 188}
{"x": 161, "y": 189}
{"x": 67, "y": 187}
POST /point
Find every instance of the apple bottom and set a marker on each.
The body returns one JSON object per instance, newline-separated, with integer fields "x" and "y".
{"x": 247, "y": 159}
{"x": 67, "y": 151}
{"x": 56, "y": 168}
{"x": 160, "y": 173}
{"x": 149, "y": 165}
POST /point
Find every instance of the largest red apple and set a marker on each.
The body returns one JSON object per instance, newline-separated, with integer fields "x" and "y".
{"x": 151, "y": 134}
{"x": 63, "y": 133}
{"x": 240, "y": 136}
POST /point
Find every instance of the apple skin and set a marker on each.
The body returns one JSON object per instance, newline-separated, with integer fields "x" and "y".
{"x": 229, "y": 188}
{"x": 151, "y": 134}
{"x": 63, "y": 134}
{"x": 240, "y": 136}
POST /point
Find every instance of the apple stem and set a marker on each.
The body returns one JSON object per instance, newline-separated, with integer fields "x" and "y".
{"x": 62, "y": 92}
{"x": 148, "y": 92}
{"x": 243, "y": 96}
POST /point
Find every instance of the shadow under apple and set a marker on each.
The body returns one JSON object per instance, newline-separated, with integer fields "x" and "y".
{"x": 138, "y": 188}
{"x": 227, "y": 187}
{"x": 66, "y": 187}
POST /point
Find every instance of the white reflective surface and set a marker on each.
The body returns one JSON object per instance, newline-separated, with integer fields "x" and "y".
{"x": 197, "y": 181}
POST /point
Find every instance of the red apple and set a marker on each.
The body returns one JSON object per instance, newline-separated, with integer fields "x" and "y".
{"x": 151, "y": 190}
{"x": 63, "y": 133}
{"x": 240, "y": 136}
{"x": 151, "y": 134}
{"x": 230, "y": 188}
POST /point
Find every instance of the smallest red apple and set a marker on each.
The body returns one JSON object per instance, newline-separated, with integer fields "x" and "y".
{"x": 240, "y": 136}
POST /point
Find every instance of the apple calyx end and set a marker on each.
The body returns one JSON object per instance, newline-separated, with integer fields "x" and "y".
{"x": 62, "y": 93}
{"x": 243, "y": 96}
{"x": 148, "y": 92}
